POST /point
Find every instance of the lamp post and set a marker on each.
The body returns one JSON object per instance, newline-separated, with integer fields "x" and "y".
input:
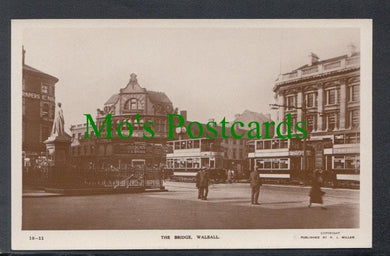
{"x": 304, "y": 112}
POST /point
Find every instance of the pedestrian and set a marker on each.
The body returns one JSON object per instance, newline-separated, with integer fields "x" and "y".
{"x": 229, "y": 176}
{"x": 204, "y": 183}
{"x": 255, "y": 183}
{"x": 200, "y": 192}
{"x": 315, "y": 192}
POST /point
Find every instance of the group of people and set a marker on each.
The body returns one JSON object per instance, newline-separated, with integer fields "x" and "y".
{"x": 316, "y": 194}
{"x": 202, "y": 183}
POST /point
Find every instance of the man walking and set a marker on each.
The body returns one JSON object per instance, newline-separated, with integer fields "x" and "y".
{"x": 203, "y": 184}
{"x": 255, "y": 185}
{"x": 200, "y": 192}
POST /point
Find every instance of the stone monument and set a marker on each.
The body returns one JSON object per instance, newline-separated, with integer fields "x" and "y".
{"x": 58, "y": 145}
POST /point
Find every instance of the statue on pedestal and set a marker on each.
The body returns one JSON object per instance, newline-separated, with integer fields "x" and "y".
{"x": 58, "y": 146}
{"x": 58, "y": 124}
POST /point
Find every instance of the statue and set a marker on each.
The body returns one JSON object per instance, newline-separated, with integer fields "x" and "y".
{"x": 58, "y": 124}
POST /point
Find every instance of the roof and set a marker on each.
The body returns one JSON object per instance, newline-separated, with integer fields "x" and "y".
{"x": 112, "y": 100}
{"x": 36, "y": 71}
{"x": 326, "y": 60}
{"x": 158, "y": 97}
{"x": 249, "y": 116}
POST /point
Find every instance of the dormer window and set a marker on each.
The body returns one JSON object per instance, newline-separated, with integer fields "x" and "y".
{"x": 131, "y": 104}
{"x": 135, "y": 103}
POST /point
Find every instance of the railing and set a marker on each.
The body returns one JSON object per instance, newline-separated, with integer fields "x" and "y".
{"x": 321, "y": 68}
{"x": 107, "y": 178}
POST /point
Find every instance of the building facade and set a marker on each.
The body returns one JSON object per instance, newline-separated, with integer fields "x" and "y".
{"x": 324, "y": 94}
{"x": 38, "y": 112}
{"x": 117, "y": 152}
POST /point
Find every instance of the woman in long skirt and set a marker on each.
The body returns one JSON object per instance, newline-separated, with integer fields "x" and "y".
{"x": 316, "y": 193}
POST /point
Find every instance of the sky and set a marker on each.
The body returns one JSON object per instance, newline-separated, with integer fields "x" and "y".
{"x": 211, "y": 72}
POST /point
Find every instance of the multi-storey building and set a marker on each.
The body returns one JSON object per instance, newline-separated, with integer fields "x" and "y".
{"x": 118, "y": 152}
{"x": 38, "y": 111}
{"x": 324, "y": 94}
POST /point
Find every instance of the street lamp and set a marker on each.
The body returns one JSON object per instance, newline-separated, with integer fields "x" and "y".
{"x": 304, "y": 112}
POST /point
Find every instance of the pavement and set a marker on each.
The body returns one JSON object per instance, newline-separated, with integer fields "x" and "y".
{"x": 228, "y": 207}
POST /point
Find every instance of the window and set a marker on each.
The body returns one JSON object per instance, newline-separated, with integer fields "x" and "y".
{"x": 45, "y": 110}
{"x": 339, "y": 139}
{"x": 290, "y": 102}
{"x": 311, "y": 99}
{"x": 275, "y": 163}
{"x": 283, "y": 144}
{"x": 267, "y": 144}
{"x": 183, "y": 145}
{"x": 331, "y": 121}
{"x": 189, "y": 144}
{"x": 177, "y": 145}
{"x": 331, "y": 97}
{"x": 311, "y": 123}
{"x": 272, "y": 164}
{"x": 44, "y": 89}
{"x": 283, "y": 163}
{"x": 353, "y": 93}
{"x": 131, "y": 104}
{"x": 338, "y": 162}
{"x": 189, "y": 162}
{"x": 259, "y": 145}
{"x": 196, "y": 143}
{"x": 354, "y": 118}
{"x": 44, "y": 133}
{"x": 275, "y": 144}
{"x": 352, "y": 138}
{"x": 346, "y": 162}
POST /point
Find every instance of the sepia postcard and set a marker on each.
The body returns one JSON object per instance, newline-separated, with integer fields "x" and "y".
{"x": 191, "y": 134}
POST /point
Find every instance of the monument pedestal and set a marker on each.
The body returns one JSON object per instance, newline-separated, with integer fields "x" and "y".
{"x": 58, "y": 147}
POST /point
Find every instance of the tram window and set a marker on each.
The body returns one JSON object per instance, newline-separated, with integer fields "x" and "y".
{"x": 275, "y": 144}
{"x": 267, "y": 144}
{"x": 352, "y": 138}
{"x": 338, "y": 162}
{"x": 189, "y": 162}
{"x": 182, "y": 163}
{"x": 196, "y": 163}
{"x": 275, "y": 163}
{"x": 259, "y": 145}
{"x": 189, "y": 144}
{"x": 267, "y": 164}
{"x": 284, "y": 163}
{"x": 183, "y": 145}
{"x": 339, "y": 139}
{"x": 283, "y": 144}
{"x": 176, "y": 161}
{"x": 196, "y": 143}
{"x": 177, "y": 145}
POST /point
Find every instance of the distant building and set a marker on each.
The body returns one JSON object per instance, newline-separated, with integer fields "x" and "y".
{"x": 38, "y": 111}
{"x": 117, "y": 152}
{"x": 325, "y": 94}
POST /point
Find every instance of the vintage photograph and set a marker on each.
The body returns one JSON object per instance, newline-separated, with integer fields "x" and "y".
{"x": 191, "y": 134}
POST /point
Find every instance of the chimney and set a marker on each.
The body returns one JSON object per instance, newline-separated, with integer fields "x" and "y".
{"x": 183, "y": 113}
{"x": 23, "y": 54}
{"x": 351, "y": 50}
{"x": 313, "y": 59}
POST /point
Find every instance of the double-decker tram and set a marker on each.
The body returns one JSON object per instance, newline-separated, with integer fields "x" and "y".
{"x": 278, "y": 159}
{"x": 187, "y": 156}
